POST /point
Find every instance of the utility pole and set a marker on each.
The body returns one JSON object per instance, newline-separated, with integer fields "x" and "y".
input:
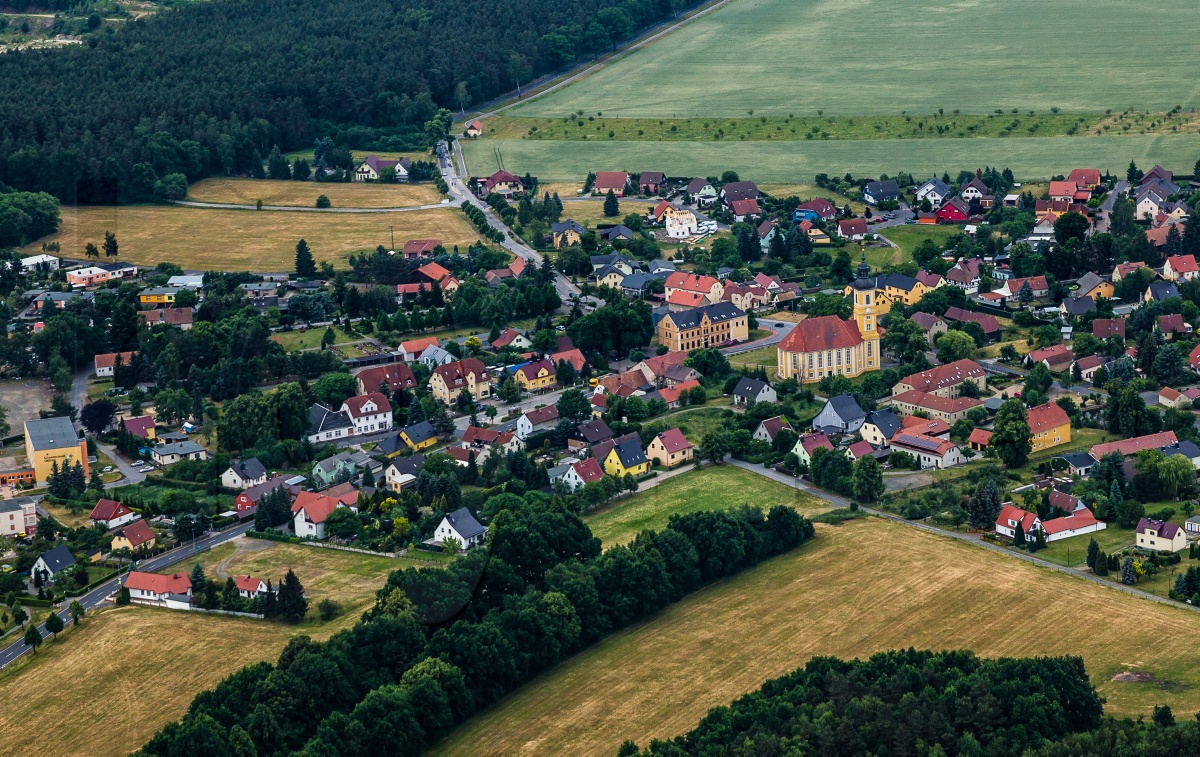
{"x": 393, "y": 228}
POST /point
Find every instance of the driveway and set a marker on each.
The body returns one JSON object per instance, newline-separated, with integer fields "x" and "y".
{"x": 1105, "y": 214}
{"x": 780, "y": 331}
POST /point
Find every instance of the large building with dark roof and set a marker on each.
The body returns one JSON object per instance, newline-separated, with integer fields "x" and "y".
{"x": 708, "y": 326}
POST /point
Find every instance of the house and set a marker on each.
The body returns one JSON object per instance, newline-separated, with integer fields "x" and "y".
{"x": 818, "y": 209}
{"x": 249, "y": 587}
{"x": 169, "y": 454}
{"x": 670, "y": 448}
{"x": 934, "y": 190}
{"x": 854, "y": 229}
{"x": 1038, "y": 286}
{"x": 52, "y": 562}
{"x": 876, "y": 192}
{"x": 1158, "y": 536}
{"x": 325, "y": 425}
{"x": 651, "y": 181}
{"x": 1148, "y": 203}
{"x": 247, "y": 501}
{"x": 1159, "y": 291}
{"x": 1124, "y": 269}
{"x": 449, "y": 380}
{"x": 310, "y": 511}
{"x": 930, "y": 324}
{"x": 243, "y": 474}
{"x": 155, "y": 589}
{"x": 767, "y": 230}
{"x": 44, "y": 262}
{"x": 370, "y": 413}
{"x": 707, "y": 287}
{"x": 945, "y": 380}
{"x": 502, "y": 183}
{"x": 1104, "y": 328}
{"x": 965, "y": 275}
{"x": 932, "y": 452}
{"x": 1130, "y": 447}
{"x": 566, "y": 233}
{"x": 582, "y": 473}
{"x": 1088, "y": 366}
{"x": 1173, "y": 325}
{"x": 1186, "y": 448}
{"x": 626, "y": 458}
{"x": 952, "y": 211}
{"x": 590, "y": 433}
{"x": 373, "y": 167}
{"x": 614, "y": 181}
{"x": 412, "y": 349}
{"x": 488, "y": 441}
{"x": 111, "y": 514}
{"x": 1077, "y": 306}
{"x": 537, "y": 420}
{"x": 573, "y": 356}
{"x": 769, "y": 429}
{"x": 879, "y": 427}
{"x": 1180, "y": 268}
{"x": 180, "y": 318}
{"x": 340, "y": 466}
{"x": 809, "y": 443}
{"x": 105, "y": 364}
{"x": 1056, "y": 357}
{"x": 1168, "y": 397}
{"x": 950, "y": 410}
{"x": 620, "y": 232}
{"x": 1095, "y": 286}
{"x": 419, "y": 436}
{"x": 157, "y": 296}
{"x": 974, "y": 190}
{"x": 715, "y": 325}
{"x": 18, "y": 517}
{"x": 1078, "y": 463}
{"x": 401, "y": 472}
{"x": 141, "y": 426}
{"x": 136, "y": 534}
{"x": 1050, "y": 426}
{"x": 979, "y": 439}
{"x": 474, "y": 129}
{"x": 680, "y": 223}
{"x": 859, "y": 450}
{"x": 386, "y": 379}
{"x": 935, "y": 427}
{"x": 736, "y": 191}
{"x": 752, "y": 390}
{"x": 537, "y": 376}
{"x": 841, "y": 414}
{"x": 461, "y": 526}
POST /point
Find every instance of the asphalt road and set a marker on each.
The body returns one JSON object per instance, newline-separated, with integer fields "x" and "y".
{"x": 1107, "y": 206}
{"x": 781, "y": 332}
{"x": 100, "y": 594}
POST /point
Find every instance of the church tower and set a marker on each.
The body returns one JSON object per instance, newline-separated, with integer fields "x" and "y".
{"x": 866, "y": 315}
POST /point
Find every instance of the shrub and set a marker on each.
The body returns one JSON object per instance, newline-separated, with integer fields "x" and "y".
{"x": 328, "y": 609}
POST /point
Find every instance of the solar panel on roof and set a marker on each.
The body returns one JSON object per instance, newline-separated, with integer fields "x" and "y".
{"x": 928, "y": 445}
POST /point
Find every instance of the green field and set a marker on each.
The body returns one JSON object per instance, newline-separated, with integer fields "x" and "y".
{"x": 874, "y": 57}
{"x": 710, "y": 488}
{"x": 910, "y": 236}
{"x": 1030, "y": 158}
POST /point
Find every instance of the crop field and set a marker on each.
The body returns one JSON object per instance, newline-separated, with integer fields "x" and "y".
{"x": 304, "y": 193}
{"x": 779, "y": 162}
{"x": 874, "y": 57}
{"x": 710, "y": 488}
{"x": 859, "y": 588}
{"x": 247, "y": 240}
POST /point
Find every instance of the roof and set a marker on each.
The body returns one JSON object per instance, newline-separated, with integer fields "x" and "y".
{"x": 531, "y": 370}
{"x": 1186, "y": 448}
{"x": 476, "y": 435}
{"x": 501, "y": 177}
{"x": 660, "y": 364}
{"x": 821, "y": 333}
{"x": 614, "y": 180}
{"x": 321, "y": 418}
{"x": 1089, "y": 362}
{"x": 396, "y": 375}
{"x": 1184, "y": 264}
{"x": 1012, "y": 513}
{"x": 1084, "y": 176}
{"x": 1162, "y": 290}
{"x": 249, "y": 469}
{"x": 749, "y": 388}
{"x": 651, "y": 177}
{"x": 176, "y": 583}
{"x": 1172, "y": 324}
{"x": 541, "y": 415}
{"x": 108, "y": 509}
{"x": 178, "y": 448}
{"x": 588, "y": 470}
{"x": 774, "y": 425}
{"x": 819, "y": 205}
{"x": 464, "y": 523}
{"x": 860, "y": 448}
{"x": 256, "y": 492}
{"x": 695, "y": 185}
{"x": 980, "y": 436}
{"x": 937, "y": 185}
{"x": 595, "y": 430}
{"x": 673, "y": 440}
{"x": 417, "y": 346}
{"x": 1078, "y": 459}
{"x": 419, "y": 432}
{"x": 1081, "y": 518}
{"x": 717, "y": 312}
{"x": 1135, "y": 445}
{"x": 433, "y": 271}
{"x": 247, "y": 583}
{"x": 1164, "y": 529}
{"x": 51, "y": 433}
{"x": 811, "y": 442}
{"x": 925, "y": 320}
{"x": 846, "y": 407}
{"x": 316, "y": 507}
{"x": 1054, "y": 354}
{"x": 567, "y": 225}
{"x": 943, "y": 376}
{"x": 928, "y": 444}
{"x": 745, "y": 207}
{"x": 883, "y": 189}
{"x": 928, "y": 426}
{"x": 506, "y": 338}
{"x": 616, "y": 232}
{"x": 739, "y": 190}
{"x": 629, "y": 452}
{"x": 1045, "y": 417}
{"x": 686, "y": 299}
{"x": 934, "y": 402}
{"x": 136, "y": 533}
{"x": 454, "y": 374}
{"x": 109, "y": 359}
{"x": 852, "y": 226}
{"x": 885, "y": 420}
{"x": 573, "y": 356}
{"x": 1102, "y": 328}
{"x": 57, "y": 559}
{"x": 691, "y": 282}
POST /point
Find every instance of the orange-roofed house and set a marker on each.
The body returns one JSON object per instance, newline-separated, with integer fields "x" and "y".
{"x": 573, "y": 356}
{"x": 1128, "y": 447}
{"x": 1124, "y": 269}
{"x": 250, "y": 587}
{"x": 310, "y": 511}
{"x": 706, "y": 286}
{"x": 944, "y": 380}
{"x": 474, "y": 129}
{"x": 1056, "y": 357}
{"x": 950, "y": 410}
{"x": 433, "y": 272}
{"x": 152, "y": 588}
{"x": 1050, "y": 425}
{"x": 1180, "y": 268}
{"x": 412, "y": 349}
{"x": 106, "y": 364}
{"x": 616, "y": 181}
{"x": 136, "y": 534}
{"x": 111, "y": 514}
{"x": 670, "y": 448}
{"x": 1168, "y": 397}
{"x": 1085, "y": 177}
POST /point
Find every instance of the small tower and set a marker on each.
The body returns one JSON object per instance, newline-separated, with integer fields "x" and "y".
{"x": 866, "y": 314}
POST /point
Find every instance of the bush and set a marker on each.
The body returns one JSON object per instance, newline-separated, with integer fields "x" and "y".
{"x": 323, "y": 202}
{"x": 328, "y": 609}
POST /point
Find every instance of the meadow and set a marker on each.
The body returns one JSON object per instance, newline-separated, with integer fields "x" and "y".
{"x": 910, "y": 236}
{"x": 304, "y": 194}
{"x": 247, "y": 240}
{"x": 776, "y": 58}
{"x": 860, "y": 587}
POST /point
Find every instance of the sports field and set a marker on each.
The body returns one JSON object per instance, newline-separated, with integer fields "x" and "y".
{"x": 859, "y": 588}
{"x": 777, "y": 57}
{"x": 304, "y": 194}
{"x": 247, "y": 240}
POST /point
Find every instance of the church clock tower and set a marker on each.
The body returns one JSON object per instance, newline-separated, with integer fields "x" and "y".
{"x": 866, "y": 315}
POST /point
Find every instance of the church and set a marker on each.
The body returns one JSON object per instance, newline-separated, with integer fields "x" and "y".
{"x": 829, "y": 346}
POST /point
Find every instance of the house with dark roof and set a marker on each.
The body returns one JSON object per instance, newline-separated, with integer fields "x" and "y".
{"x": 52, "y": 562}
{"x": 651, "y": 181}
{"x": 537, "y": 420}
{"x": 1075, "y": 307}
{"x": 877, "y": 191}
{"x": 879, "y": 426}
{"x": 854, "y": 229}
{"x": 1159, "y": 291}
{"x": 841, "y": 415}
{"x": 325, "y": 425}
{"x": 242, "y": 474}
{"x": 715, "y": 325}
{"x": 934, "y": 190}
{"x": 1159, "y": 536}
{"x": 461, "y": 526}
{"x": 589, "y": 433}
{"x": 752, "y": 390}
{"x": 1078, "y": 463}
{"x": 1103, "y": 328}
{"x": 418, "y": 436}
{"x": 626, "y": 458}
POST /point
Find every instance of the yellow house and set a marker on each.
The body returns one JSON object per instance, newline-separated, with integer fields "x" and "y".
{"x": 448, "y": 380}
{"x": 54, "y": 440}
{"x": 566, "y": 233}
{"x": 1091, "y": 285}
{"x": 816, "y": 236}
{"x": 419, "y": 436}
{"x": 536, "y": 377}
{"x": 893, "y": 288}
{"x": 626, "y": 457}
{"x": 1050, "y": 426}
{"x": 670, "y": 448}
{"x": 134, "y": 535}
{"x": 612, "y": 278}
{"x": 157, "y": 296}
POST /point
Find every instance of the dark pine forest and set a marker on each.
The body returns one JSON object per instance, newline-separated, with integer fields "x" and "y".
{"x": 210, "y": 88}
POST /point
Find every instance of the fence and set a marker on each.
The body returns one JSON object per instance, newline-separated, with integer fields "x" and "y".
{"x": 323, "y": 545}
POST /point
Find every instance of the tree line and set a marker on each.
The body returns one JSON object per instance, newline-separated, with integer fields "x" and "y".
{"x": 439, "y": 645}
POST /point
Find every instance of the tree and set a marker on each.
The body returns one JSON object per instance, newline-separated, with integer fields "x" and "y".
{"x": 574, "y": 406}
{"x": 1128, "y": 576}
{"x": 1070, "y": 226}
{"x": 519, "y": 69}
{"x": 1025, "y": 295}
{"x": 305, "y": 265}
{"x": 984, "y": 506}
{"x": 866, "y": 482}
{"x": 198, "y": 579}
{"x": 111, "y": 248}
{"x": 76, "y": 610}
{"x": 172, "y": 406}
{"x": 33, "y": 638}
{"x": 1133, "y": 174}
{"x": 333, "y": 389}
{"x": 1011, "y": 438}
{"x": 1093, "y": 551}
{"x": 54, "y": 623}
{"x": 1176, "y": 474}
{"x": 714, "y": 446}
{"x": 91, "y": 250}
{"x": 343, "y": 523}
{"x": 18, "y": 613}
{"x": 955, "y": 345}
{"x": 292, "y": 606}
{"x": 612, "y": 208}
{"x": 323, "y": 202}
{"x": 97, "y": 416}
{"x": 329, "y": 337}
{"x": 1019, "y": 535}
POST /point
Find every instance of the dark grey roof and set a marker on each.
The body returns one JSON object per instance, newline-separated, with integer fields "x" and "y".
{"x": 51, "y": 433}
{"x": 567, "y": 225}
{"x": 630, "y": 453}
{"x": 886, "y": 421}
{"x": 599, "y": 261}
{"x": 846, "y": 407}
{"x": 937, "y": 185}
{"x": 321, "y": 418}
{"x": 410, "y": 464}
{"x": 420, "y": 432}
{"x": 1186, "y": 448}
{"x": 57, "y": 559}
{"x": 1078, "y": 459}
{"x": 1163, "y": 290}
{"x": 660, "y": 265}
{"x": 721, "y": 311}
{"x": 1079, "y": 305}
{"x": 249, "y": 469}
{"x": 595, "y": 430}
{"x": 739, "y": 190}
{"x": 883, "y": 189}
{"x": 638, "y": 281}
{"x": 392, "y": 444}
{"x": 749, "y": 388}
{"x": 695, "y": 185}
{"x": 601, "y": 273}
{"x": 620, "y": 230}
{"x": 178, "y": 448}
{"x": 992, "y": 404}
{"x": 464, "y": 523}
{"x": 15, "y": 504}
{"x": 330, "y": 464}
{"x": 1089, "y": 281}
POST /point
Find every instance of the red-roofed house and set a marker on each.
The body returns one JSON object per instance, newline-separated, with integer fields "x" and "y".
{"x": 944, "y": 380}
{"x": 1056, "y": 357}
{"x": 1128, "y": 447}
{"x": 681, "y": 281}
{"x": 106, "y": 364}
{"x": 670, "y": 448}
{"x": 386, "y": 379}
{"x": 111, "y": 514}
{"x": 572, "y": 356}
{"x": 420, "y": 248}
{"x": 1180, "y": 268}
{"x": 449, "y": 380}
{"x": 945, "y": 408}
{"x": 1124, "y": 269}
{"x": 412, "y": 349}
{"x": 1173, "y": 325}
{"x": 433, "y": 272}
{"x": 512, "y": 338}
{"x": 1085, "y": 177}
{"x": 136, "y": 534}
{"x": 979, "y": 439}
{"x": 311, "y": 510}
{"x": 152, "y": 588}
{"x": 822, "y": 208}
{"x": 1010, "y": 516}
{"x": 743, "y": 208}
{"x": 538, "y": 376}
{"x": 915, "y": 424}
{"x": 1050, "y": 424}
{"x": 141, "y": 426}
{"x": 474, "y": 129}
{"x": 502, "y": 183}
{"x": 249, "y": 586}
{"x": 1168, "y": 397}
{"x": 1194, "y": 357}
{"x": 809, "y": 443}
{"x": 854, "y": 229}
{"x": 859, "y": 449}
{"x": 1103, "y": 328}
{"x": 931, "y": 451}
{"x": 1088, "y": 366}
{"x": 1038, "y": 284}
{"x": 178, "y": 317}
{"x": 770, "y": 428}
{"x": 371, "y": 413}
{"x": 583, "y": 472}
{"x": 610, "y": 180}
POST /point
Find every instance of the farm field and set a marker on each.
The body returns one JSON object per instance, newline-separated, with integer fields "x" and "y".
{"x": 778, "y": 162}
{"x": 240, "y": 240}
{"x": 733, "y": 65}
{"x": 658, "y": 678}
{"x": 709, "y": 488}
{"x": 304, "y": 193}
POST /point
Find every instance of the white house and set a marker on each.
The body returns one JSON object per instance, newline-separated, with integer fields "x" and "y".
{"x": 155, "y": 589}
{"x": 538, "y": 419}
{"x": 243, "y": 474}
{"x": 370, "y": 413}
{"x": 931, "y": 451}
{"x": 934, "y": 190}
{"x": 31, "y": 263}
{"x": 169, "y": 454}
{"x": 249, "y": 586}
{"x": 461, "y": 526}
{"x": 52, "y": 561}
{"x": 111, "y": 514}
{"x": 583, "y": 472}
{"x": 840, "y": 413}
{"x": 752, "y": 390}
{"x": 325, "y": 425}
{"x": 310, "y": 511}
{"x": 680, "y": 223}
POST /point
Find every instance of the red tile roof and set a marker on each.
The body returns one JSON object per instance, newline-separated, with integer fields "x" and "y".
{"x": 531, "y": 370}
{"x": 1055, "y": 354}
{"x": 420, "y": 247}
{"x": 774, "y": 425}
{"x": 822, "y": 207}
{"x": 660, "y": 364}
{"x": 395, "y": 375}
{"x": 542, "y": 414}
{"x": 980, "y": 436}
{"x": 588, "y": 469}
{"x": 506, "y": 338}
{"x": 417, "y": 346}
{"x": 1012, "y": 513}
{"x": 745, "y": 207}
{"x": 825, "y": 332}
{"x": 1183, "y": 263}
{"x": 1172, "y": 324}
{"x": 1045, "y": 417}
{"x": 930, "y": 280}
{"x": 109, "y": 359}
{"x": 247, "y": 583}
{"x": 811, "y": 442}
{"x": 316, "y": 507}
{"x": 686, "y": 299}
{"x": 852, "y": 227}
{"x": 433, "y": 271}
{"x": 572, "y": 356}
{"x": 1165, "y": 530}
{"x": 933, "y": 402}
{"x": 860, "y": 448}
{"x": 176, "y": 583}
{"x": 927, "y": 426}
{"x": 1135, "y": 445}
{"x": 690, "y": 282}
{"x": 1082, "y": 518}
{"x": 1103, "y": 328}
{"x": 108, "y": 509}
{"x": 1084, "y": 176}
{"x": 136, "y": 533}
{"x": 453, "y": 373}
{"x": 930, "y": 444}
{"x": 673, "y": 440}
{"x": 354, "y": 405}
{"x": 942, "y": 376}
{"x": 614, "y": 180}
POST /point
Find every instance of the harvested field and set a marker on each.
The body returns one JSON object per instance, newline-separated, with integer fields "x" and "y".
{"x": 304, "y": 194}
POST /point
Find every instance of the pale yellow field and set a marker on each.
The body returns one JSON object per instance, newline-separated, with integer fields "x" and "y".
{"x": 235, "y": 240}
{"x": 861, "y": 587}
{"x": 304, "y": 193}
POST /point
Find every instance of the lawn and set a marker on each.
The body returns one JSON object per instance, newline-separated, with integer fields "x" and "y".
{"x": 861, "y": 587}
{"x": 767, "y": 357}
{"x": 697, "y": 422}
{"x": 910, "y": 236}
{"x": 311, "y": 338}
{"x": 782, "y": 162}
{"x": 709, "y": 488}
{"x": 304, "y": 193}
{"x": 235, "y": 240}
{"x": 810, "y": 191}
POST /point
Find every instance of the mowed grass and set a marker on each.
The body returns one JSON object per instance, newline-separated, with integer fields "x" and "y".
{"x": 311, "y": 338}
{"x": 767, "y": 357}
{"x": 910, "y": 236}
{"x": 1030, "y": 158}
{"x": 247, "y": 240}
{"x": 733, "y": 66}
{"x": 859, "y": 588}
{"x": 709, "y": 488}
{"x": 304, "y": 193}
